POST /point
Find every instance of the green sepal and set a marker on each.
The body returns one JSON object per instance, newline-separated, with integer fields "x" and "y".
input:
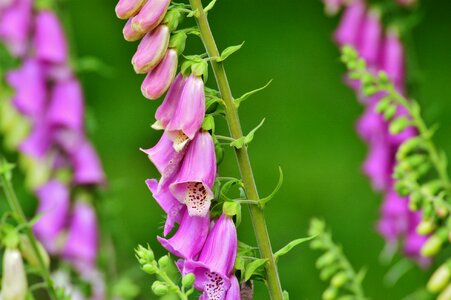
{"x": 265, "y": 200}
{"x": 248, "y": 94}
{"x": 231, "y": 209}
{"x": 245, "y": 140}
{"x": 228, "y": 51}
{"x": 208, "y": 123}
{"x": 291, "y": 245}
{"x": 254, "y": 267}
{"x": 178, "y": 42}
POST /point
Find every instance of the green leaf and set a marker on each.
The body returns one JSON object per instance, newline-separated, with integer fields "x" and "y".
{"x": 6, "y": 168}
{"x": 253, "y": 267}
{"x": 228, "y": 51}
{"x": 286, "y": 296}
{"x": 226, "y": 187}
{"x": 245, "y": 140}
{"x": 291, "y": 245}
{"x": 231, "y": 208}
{"x": 248, "y": 94}
{"x": 209, "y": 6}
{"x": 245, "y": 249}
{"x": 265, "y": 200}
{"x": 193, "y": 13}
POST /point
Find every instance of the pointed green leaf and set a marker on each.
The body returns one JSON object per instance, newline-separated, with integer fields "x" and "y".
{"x": 252, "y": 267}
{"x": 229, "y": 51}
{"x": 265, "y": 200}
{"x": 245, "y": 140}
{"x": 209, "y": 123}
{"x": 248, "y": 94}
{"x": 286, "y": 296}
{"x": 291, "y": 245}
{"x": 209, "y": 6}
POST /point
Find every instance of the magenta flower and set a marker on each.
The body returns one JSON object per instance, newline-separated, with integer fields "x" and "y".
{"x": 128, "y": 8}
{"x": 40, "y": 140}
{"x": 49, "y": 40}
{"x": 394, "y": 217}
{"x": 66, "y": 109}
{"x": 393, "y": 58}
{"x": 159, "y": 79}
{"x": 351, "y": 23}
{"x": 371, "y": 126}
{"x": 234, "y": 291}
{"x": 378, "y": 165}
{"x": 189, "y": 113}
{"x": 369, "y": 44}
{"x": 15, "y": 26}
{"x": 150, "y": 15}
{"x": 151, "y": 49}
{"x": 171, "y": 206}
{"x": 196, "y": 177}
{"x": 215, "y": 264}
{"x": 54, "y": 206}
{"x": 29, "y": 84}
{"x": 131, "y": 34}
{"x": 86, "y": 163}
{"x": 165, "y": 158}
{"x": 166, "y": 110}
{"x": 81, "y": 245}
{"x": 189, "y": 238}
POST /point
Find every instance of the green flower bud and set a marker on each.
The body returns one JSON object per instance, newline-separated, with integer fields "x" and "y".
{"x": 398, "y": 125}
{"x": 383, "y": 104}
{"x": 30, "y": 255}
{"x": 446, "y": 294}
{"x": 173, "y": 18}
{"x": 325, "y": 260}
{"x": 178, "y": 42}
{"x": 164, "y": 261}
{"x": 439, "y": 279}
{"x": 432, "y": 245}
{"x": 426, "y": 227}
{"x": 339, "y": 279}
{"x": 150, "y": 268}
{"x": 188, "y": 280}
{"x": 159, "y": 288}
{"x": 330, "y": 294}
{"x": 328, "y": 272}
{"x": 390, "y": 112}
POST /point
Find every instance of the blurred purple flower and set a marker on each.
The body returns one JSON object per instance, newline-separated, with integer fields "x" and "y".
{"x": 15, "y": 24}
{"x": 350, "y": 25}
{"x": 49, "y": 39}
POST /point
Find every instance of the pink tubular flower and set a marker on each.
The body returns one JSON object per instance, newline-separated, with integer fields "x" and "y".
{"x": 378, "y": 165}
{"x": 189, "y": 113}
{"x": 369, "y": 44}
{"x": 413, "y": 241}
{"x": 130, "y": 34}
{"x": 350, "y": 25}
{"x": 15, "y": 26}
{"x": 150, "y": 15}
{"x": 166, "y": 110}
{"x": 151, "y": 49}
{"x": 128, "y": 8}
{"x": 29, "y": 84}
{"x": 81, "y": 245}
{"x": 171, "y": 206}
{"x": 165, "y": 159}
{"x": 393, "y": 58}
{"x": 66, "y": 108}
{"x": 196, "y": 177}
{"x": 39, "y": 142}
{"x": 54, "y": 206}
{"x": 160, "y": 78}
{"x": 189, "y": 238}
{"x": 49, "y": 41}
{"x": 394, "y": 219}
{"x": 234, "y": 291}
{"x": 214, "y": 266}
{"x": 86, "y": 163}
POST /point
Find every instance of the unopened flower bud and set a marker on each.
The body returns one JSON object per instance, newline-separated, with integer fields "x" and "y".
{"x": 151, "y": 50}
{"x": 188, "y": 280}
{"x": 330, "y": 294}
{"x": 128, "y": 8}
{"x": 159, "y": 288}
{"x": 30, "y": 255}
{"x": 439, "y": 279}
{"x": 325, "y": 259}
{"x": 130, "y": 34}
{"x": 446, "y": 294}
{"x": 164, "y": 261}
{"x": 150, "y": 15}
{"x": 149, "y": 269}
{"x": 433, "y": 244}
{"x": 14, "y": 281}
{"x": 339, "y": 279}
{"x": 426, "y": 227}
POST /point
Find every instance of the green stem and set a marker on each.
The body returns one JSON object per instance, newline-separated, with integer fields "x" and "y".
{"x": 172, "y": 285}
{"x": 233, "y": 121}
{"x": 17, "y": 209}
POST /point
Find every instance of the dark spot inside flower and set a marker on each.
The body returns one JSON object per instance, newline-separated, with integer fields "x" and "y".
{"x": 214, "y": 288}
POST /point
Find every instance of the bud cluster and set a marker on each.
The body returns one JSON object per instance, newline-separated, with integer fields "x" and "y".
{"x": 344, "y": 282}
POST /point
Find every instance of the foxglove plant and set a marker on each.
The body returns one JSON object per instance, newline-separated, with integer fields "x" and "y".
{"x": 189, "y": 190}
{"x": 58, "y": 156}
{"x": 362, "y": 28}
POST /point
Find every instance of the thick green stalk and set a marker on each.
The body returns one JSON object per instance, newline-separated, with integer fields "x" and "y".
{"x": 17, "y": 209}
{"x": 257, "y": 215}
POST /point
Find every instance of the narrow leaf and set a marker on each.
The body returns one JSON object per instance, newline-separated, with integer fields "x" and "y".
{"x": 291, "y": 245}
{"x": 245, "y": 140}
{"x": 252, "y": 267}
{"x": 209, "y": 6}
{"x": 265, "y": 200}
{"x": 248, "y": 94}
{"x": 229, "y": 51}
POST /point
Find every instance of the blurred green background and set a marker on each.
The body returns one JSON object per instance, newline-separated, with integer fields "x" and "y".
{"x": 309, "y": 130}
